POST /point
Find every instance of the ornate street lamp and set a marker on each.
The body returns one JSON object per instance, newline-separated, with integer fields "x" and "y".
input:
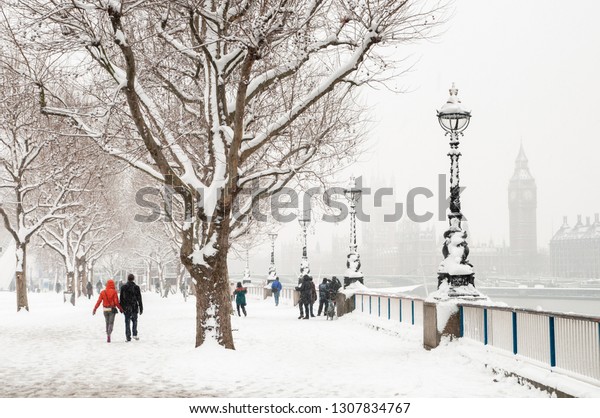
{"x": 246, "y": 277}
{"x": 272, "y": 270}
{"x": 455, "y": 269}
{"x": 353, "y": 273}
{"x": 304, "y": 222}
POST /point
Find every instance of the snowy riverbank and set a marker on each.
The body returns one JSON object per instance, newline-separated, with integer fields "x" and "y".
{"x": 57, "y": 350}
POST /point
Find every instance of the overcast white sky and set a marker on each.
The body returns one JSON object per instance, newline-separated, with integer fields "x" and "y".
{"x": 528, "y": 70}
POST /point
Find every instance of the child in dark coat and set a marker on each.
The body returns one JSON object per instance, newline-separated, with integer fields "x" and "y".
{"x": 240, "y": 298}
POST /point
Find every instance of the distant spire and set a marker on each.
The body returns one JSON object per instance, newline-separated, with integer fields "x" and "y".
{"x": 521, "y": 166}
{"x": 521, "y": 158}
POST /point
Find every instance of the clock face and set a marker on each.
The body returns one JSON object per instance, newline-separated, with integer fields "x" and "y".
{"x": 528, "y": 195}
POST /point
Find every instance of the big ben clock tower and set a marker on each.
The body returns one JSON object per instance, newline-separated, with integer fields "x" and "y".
{"x": 522, "y": 204}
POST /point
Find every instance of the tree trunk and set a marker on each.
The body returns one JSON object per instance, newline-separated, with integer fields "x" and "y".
{"x": 81, "y": 276}
{"x": 21, "y": 278}
{"x": 213, "y": 304}
{"x": 148, "y": 278}
{"x": 90, "y": 274}
{"x": 180, "y": 275}
{"x": 210, "y": 277}
{"x": 71, "y": 285}
{"x": 161, "y": 280}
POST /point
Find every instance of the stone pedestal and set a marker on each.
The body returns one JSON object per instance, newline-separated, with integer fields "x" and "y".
{"x": 432, "y": 315}
{"x": 296, "y": 297}
{"x": 343, "y": 304}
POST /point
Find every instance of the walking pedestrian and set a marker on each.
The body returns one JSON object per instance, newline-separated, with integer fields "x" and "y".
{"x": 240, "y": 298}
{"x": 323, "y": 289}
{"x": 99, "y": 286}
{"x": 90, "y": 289}
{"x": 110, "y": 302}
{"x": 276, "y": 289}
{"x": 131, "y": 301}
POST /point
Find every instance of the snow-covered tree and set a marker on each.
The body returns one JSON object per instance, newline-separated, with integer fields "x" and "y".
{"x": 229, "y": 100}
{"x": 78, "y": 240}
{"x": 37, "y": 177}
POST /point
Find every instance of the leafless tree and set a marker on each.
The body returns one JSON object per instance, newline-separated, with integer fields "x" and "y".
{"x": 80, "y": 239}
{"x": 37, "y": 179}
{"x": 226, "y": 101}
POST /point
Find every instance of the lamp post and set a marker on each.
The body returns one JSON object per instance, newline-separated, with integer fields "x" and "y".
{"x": 304, "y": 222}
{"x": 353, "y": 273}
{"x": 455, "y": 269}
{"x": 246, "y": 277}
{"x": 272, "y": 270}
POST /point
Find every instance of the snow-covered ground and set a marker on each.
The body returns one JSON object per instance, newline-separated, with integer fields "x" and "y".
{"x": 57, "y": 350}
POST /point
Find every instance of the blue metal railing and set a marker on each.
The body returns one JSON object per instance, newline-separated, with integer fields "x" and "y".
{"x": 566, "y": 342}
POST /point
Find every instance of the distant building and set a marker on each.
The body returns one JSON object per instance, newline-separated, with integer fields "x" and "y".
{"x": 575, "y": 251}
{"x": 522, "y": 205}
{"x": 489, "y": 259}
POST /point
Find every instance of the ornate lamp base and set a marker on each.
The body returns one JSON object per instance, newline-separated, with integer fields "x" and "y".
{"x": 456, "y": 280}
{"x": 460, "y": 286}
{"x": 349, "y": 280}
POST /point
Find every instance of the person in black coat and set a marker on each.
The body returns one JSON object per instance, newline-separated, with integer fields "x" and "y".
{"x": 131, "y": 302}
{"x": 306, "y": 289}
{"x": 323, "y": 293}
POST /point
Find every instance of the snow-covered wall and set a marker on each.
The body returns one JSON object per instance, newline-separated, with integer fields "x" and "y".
{"x": 7, "y": 265}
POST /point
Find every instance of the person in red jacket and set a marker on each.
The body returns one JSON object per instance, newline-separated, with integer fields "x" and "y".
{"x": 110, "y": 303}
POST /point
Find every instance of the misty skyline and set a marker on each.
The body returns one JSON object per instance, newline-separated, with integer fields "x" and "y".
{"x": 534, "y": 84}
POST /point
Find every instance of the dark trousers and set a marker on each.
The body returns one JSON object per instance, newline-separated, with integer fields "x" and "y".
{"x": 130, "y": 317}
{"x": 109, "y": 318}
{"x": 322, "y": 306}
{"x": 243, "y": 306}
{"x": 307, "y": 309}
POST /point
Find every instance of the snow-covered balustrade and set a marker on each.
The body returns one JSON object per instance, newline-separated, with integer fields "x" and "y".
{"x": 261, "y": 291}
{"x": 287, "y": 293}
{"x": 256, "y": 291}
{"x": 400, "y": 308}
{"x": 566, "y": 343}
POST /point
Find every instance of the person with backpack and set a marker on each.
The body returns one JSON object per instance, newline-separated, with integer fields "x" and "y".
{"x": 323, "y": 293}
{"x": 276, "y": 289}
{"x": 131, "y": 301}
{"x": 240, "y": 298}
{"x": 110, "y": 302}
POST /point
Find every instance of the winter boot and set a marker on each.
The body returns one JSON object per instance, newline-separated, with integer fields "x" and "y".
{"x": 108, "y": 338}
